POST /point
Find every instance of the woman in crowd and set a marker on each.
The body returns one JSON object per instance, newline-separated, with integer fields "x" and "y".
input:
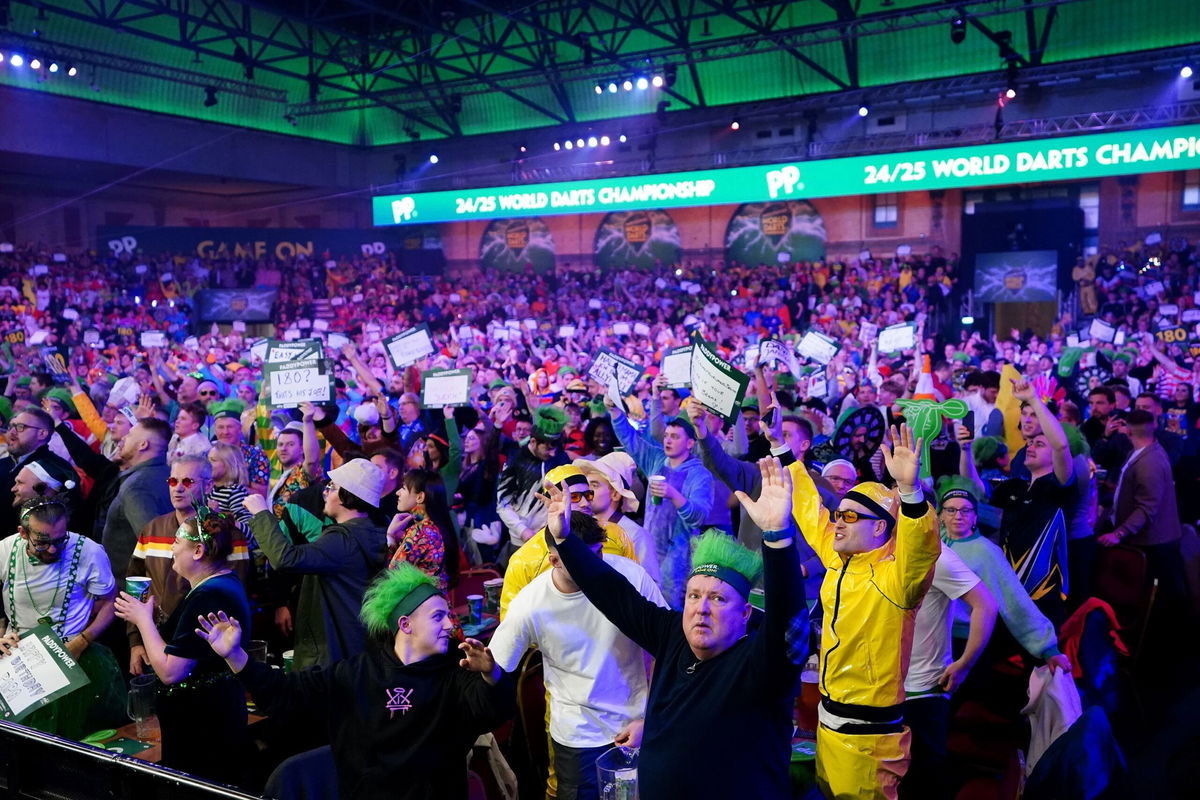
{"x": 200, "y": 705}
{"x": 477, "y": 490}
{"x": 441, "y": 453}
{"x": 422, "y": 533}
{"x": 599, "y": 438}
{"x": 230, "y": 480}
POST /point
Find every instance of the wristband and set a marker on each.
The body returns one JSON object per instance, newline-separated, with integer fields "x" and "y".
{"x": 84, "y": 635}
{"x": 778, "y": 536}
{"x": 912, "y": 498}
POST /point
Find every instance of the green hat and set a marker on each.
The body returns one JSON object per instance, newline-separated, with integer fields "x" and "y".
{"x": 63, "y": 396}
{"x": 1075, "y": 440}
{"x": 720, "y": 556}
{"x": 548, "y": 423}
{"x": 961, "y": 356}
{"x": 986, "y": 448}
{"x": 396, "y": 593}
{"x": 6, "y": 409}
{"x": 230, "y": 407}
{"x": 24, "y": 382}
{"x": 750, "y": 401}
{"x": 951, "y": 486}
{"x": 497, "y": 384}
{"x": 1122, "y": 356}
{"x": 785, "y": 379}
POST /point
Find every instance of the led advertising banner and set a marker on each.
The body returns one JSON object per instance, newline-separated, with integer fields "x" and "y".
{"x": 1066, "y": 158}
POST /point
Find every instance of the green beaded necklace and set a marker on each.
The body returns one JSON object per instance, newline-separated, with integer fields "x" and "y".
{"x": 47, "y": 618}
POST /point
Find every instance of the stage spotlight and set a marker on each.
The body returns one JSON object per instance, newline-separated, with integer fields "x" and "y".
{"x": 523, "y": 149}
{"x": 958, "y": 30}
{"x": 612, "y": 88}
{"x": 35, "y": 63}
{"x": 557, "y": 146}
{"x": 433, "y": 158}
{"x": 605, "y": 141}
{"x": 622, "y": 138}
{"x": 210, "y": 96}
{"x": 1185, "y": 71}
{"x": 53, "y": 67}
{"x": 657, "y": 81}
{"x": 17, "y": 60}
{"x": 1010, "y": 93}
{"x": 627, "y": 85}
{"x": 599, "y": 89}
{"x": 863, "y": 111}
{"x": 735, "y": 125}
{"x": 678, "y": 273}
{"x": 568, "y": 144}
{"x": 1, "y": 58}
{"x": 968, "y": 320}
{"x": 593, "y": 141}
{"x": 642, "y": 83}
{"x": 579, "y": 143}
{"x": 72, "y": 71}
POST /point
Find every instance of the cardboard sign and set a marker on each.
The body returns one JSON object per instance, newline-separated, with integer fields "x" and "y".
{"x": 338, "y": 340}
{"x": 817, "y": 347}
{"x": 15, "y": 337}
{"x": 153, "y": 339}
{"x": 56, "y": 362}
{"x": 818, "y": 385}
{"x": 37, "y": 673}
{"x": 773, "y": 351}
{"x": 641, "y": 329}
{"x": 1191, "y": 315}
{"x": 1154, "y": 288}
{"x": 320, "y": 325}
{"x": 1102, "y": 330}
{"x": 1176, "y": 334}
{"x": 70, "y": 313}
{"x": 446, "y": 387}
{"x": 895, "y": 338}
{"x": 868, "y": 332}
{"x": 408, "y": 347}
{"x": 608, "y": 368}
{"x": 1073, "y": 340}
{"x": 239, "y": 326}
{"x": 621, "y": 328}
{"x": 677, "y": 367}
{"x": 716, "y": 383}
{"x": 294, "y": 382}
{"x": 566, "y": 331}
{"x": 294, "y": 350}
{"x": 1168, "y": 310}
{"x": 91, "y": 336}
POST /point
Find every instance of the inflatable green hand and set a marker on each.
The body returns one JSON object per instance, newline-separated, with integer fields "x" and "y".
{"x": 925, "y": 419}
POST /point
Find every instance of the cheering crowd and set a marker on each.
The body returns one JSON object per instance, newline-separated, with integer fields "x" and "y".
{"x": 883, "y": 509}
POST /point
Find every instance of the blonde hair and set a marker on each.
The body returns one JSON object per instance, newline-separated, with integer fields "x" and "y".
{"x": 236, "y": 472}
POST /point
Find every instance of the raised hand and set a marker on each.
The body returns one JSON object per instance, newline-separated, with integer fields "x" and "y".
{"x": 903, "y": 458}
{"x": 698, "y": 414}
{"x": 772, "y": 511}
{"x": 558, "y": 511}
{"x": 476, "y": 657}
{"x": 222, "y": 632}
{"x": 254, "y": 503}
{"x": 1022, "y": 390}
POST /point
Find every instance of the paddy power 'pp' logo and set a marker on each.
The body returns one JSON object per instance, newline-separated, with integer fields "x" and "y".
{"x": 403, "y": 210}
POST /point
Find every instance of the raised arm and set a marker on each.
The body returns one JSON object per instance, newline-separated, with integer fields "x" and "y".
{"x": 738, "y": 475}
{"x": 917, "y": 545}
{"x": 312, "y": 445}
{"x": 966, "y": 458}
{"x": 1060, "y": 449}
{"x": 365, "y": 377}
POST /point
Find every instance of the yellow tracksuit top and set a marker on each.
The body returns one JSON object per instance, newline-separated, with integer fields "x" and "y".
{"x": 870, "y": 601}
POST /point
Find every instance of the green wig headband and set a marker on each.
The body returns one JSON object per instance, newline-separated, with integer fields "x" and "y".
{"x": 986, "y": 448}
{"x": 230, "y": 407}
{"x": 721, "y": 557}
{"x": 548, "y": 423}
{"x": 394, "y": 594}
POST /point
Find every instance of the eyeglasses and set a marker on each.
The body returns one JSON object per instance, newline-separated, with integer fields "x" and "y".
{"x": 187, "y": 482}
{"x": 21, "y": 427}
{"x": 329, "y": 487}
{"x": 47, "y": 544}
{"x": 850, "y": 517}
{"x": 958, "y": 512}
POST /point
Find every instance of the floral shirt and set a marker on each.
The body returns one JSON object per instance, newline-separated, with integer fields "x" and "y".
{"x": 258, "y": 466}
{"x": 292, "y": 481}
{"x": 423, "y": 547}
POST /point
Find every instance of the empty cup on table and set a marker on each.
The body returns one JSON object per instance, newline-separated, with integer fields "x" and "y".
{"x": 257, "y": 650}
{"x": 140, "y": 702}
{"x": 475, "y": 608}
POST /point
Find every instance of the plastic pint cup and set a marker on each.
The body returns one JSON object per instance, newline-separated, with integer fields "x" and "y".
{"x": 656, "y": 479}
{"x": 137, "y": 587}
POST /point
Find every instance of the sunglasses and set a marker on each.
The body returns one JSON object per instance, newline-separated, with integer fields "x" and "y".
{"x": 207, "y": 392}
{"x": 587, "y": 495}
{"x": 850, "y": 517}
{"x": 187, "y": 482}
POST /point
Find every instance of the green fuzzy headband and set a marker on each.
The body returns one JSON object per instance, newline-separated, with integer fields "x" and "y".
{"x": 720, "y": 556}
{"x": 394, "y": 594}
{"x": 549, "y": 422}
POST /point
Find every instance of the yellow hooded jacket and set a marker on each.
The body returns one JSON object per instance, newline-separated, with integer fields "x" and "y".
{"x": 870, "y": 601}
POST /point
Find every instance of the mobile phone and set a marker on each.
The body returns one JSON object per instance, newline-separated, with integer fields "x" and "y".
{"x": 769, "y": 417}
{"x": 969, "y": 422}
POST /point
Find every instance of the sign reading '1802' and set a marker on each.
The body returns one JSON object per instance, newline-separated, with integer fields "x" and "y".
{"x": 1066, "y": 158}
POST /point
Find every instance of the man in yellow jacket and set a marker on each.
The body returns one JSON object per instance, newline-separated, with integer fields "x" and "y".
{"x": 879, "y": 550}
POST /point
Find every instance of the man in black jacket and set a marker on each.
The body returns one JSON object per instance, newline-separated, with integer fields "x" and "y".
{"x": 28, "y": 440}
{"x": 718, "y": 720}
{"x": 336, "y": 567}
{"x": 401, "y": 718}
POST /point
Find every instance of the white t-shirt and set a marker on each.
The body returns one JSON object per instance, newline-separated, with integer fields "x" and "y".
{"x": 643, "y": 545}
{"x": 931, "y": 635}
{"x": 595, "y": 675}
{"x": 93, "y": 578}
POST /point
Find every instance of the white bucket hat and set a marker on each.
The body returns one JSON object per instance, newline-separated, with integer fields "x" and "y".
{"x": 360, "y": 478}
{"x": 616, "y": 468}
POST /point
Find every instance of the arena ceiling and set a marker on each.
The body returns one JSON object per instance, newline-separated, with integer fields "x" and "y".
{"x": 375, "y": 73}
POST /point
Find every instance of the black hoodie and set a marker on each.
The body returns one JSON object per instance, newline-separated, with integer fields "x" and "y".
{"x": 400, "y": 732}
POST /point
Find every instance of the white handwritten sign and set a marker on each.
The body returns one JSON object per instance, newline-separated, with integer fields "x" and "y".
{"x": 295, "y": 382}
{"x": 677, "y": 367}
{"x": 446, "y": 387}
{"x": 896, "y": 338}
{"x": 715, "y": 382}
{"x": 608, "y": 368}
{"x": 407, "y": 347}
{"x": 153, "y": 339}
{"x": 817, "y": 347}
